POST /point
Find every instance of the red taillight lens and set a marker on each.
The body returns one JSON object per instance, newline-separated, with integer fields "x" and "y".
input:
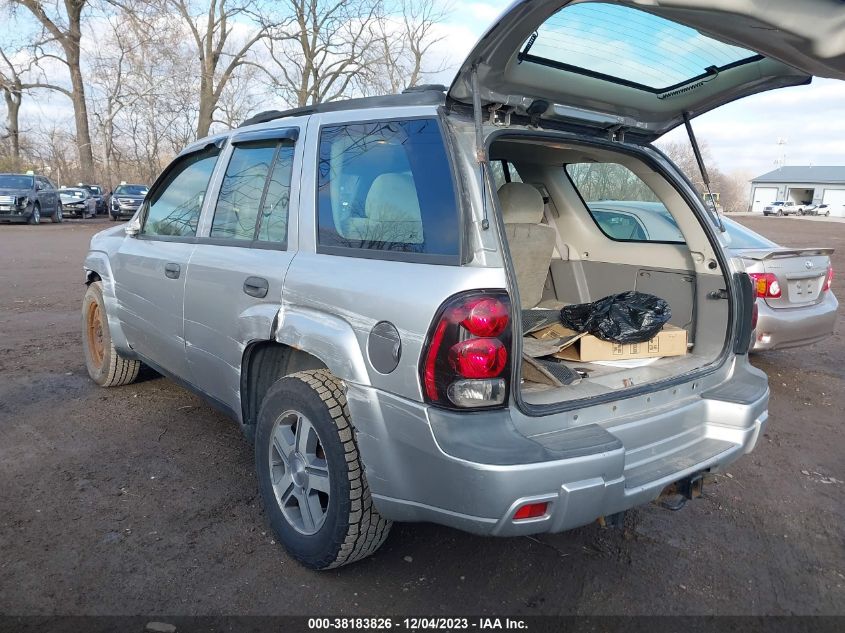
{"x": 486, "y": 317}
{"x": 478, "y": 357}
{"x": 530, "y": 511}
{"x": 828, "y": 282}
{"x": 466, "y": 360}
{"x": 766, "y": 285}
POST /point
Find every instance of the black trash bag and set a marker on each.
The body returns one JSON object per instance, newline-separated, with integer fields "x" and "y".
{"x": 629, "y": 317}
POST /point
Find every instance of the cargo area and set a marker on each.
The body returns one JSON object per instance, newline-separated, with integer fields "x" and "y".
{"x": 583, "y": 223}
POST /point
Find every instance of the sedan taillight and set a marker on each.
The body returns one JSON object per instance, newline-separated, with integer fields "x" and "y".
{"x": 766, "y": 285}
{"x": 466, "y": 359}
{"x": 828, "y": 281}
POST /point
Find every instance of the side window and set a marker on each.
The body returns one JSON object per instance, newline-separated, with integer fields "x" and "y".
{"x": 387, "y": 186}
{"x": 622, "y": 205}
{"x": 503, "y": 172}
{"x": 174, "y": 207}
{"x": 619, "y": 226}
{"x": 236, "y": 213}
{"x": 273, "y": 224}
{"x": 252, "y": 206}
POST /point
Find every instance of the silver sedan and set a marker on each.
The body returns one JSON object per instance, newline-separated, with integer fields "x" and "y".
{"x": 794, "y": 299}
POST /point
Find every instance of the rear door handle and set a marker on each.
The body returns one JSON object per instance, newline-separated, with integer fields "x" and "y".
{"x": 256, "y": 287}
{"x": 172, "y": 270}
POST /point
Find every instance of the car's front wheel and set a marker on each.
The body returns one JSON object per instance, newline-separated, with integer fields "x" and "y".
{"x": 35, "y": 218}
{"x": 310, "y": 474}
{"x": 105, "y": 365}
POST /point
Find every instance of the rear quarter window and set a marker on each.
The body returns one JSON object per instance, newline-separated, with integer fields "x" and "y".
{"x": 386, "y": 191}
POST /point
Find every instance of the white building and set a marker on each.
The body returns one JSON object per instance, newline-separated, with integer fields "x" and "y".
{"x": 803, "y": 185}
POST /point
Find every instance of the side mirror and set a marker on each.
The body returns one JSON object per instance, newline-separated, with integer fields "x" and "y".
{"x": 133, "y": 228}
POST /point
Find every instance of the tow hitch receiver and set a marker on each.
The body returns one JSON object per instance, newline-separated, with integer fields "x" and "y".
{"x": 675, "y": 496}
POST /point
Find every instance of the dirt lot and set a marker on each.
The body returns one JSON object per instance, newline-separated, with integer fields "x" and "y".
{"x": 142, "y": 499}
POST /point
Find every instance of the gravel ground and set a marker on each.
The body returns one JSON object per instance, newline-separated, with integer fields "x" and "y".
{"x": 142, "y": 499}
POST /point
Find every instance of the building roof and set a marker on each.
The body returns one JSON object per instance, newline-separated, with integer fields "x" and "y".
{"x": 805, "y": 173}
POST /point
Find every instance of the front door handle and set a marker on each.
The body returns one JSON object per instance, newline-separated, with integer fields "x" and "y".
{"x": 172, "y": 270}
{"x": 256, "y": 287}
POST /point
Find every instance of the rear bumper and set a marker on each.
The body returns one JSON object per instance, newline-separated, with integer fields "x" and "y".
{"x": 472, "y": 471}
{"x": 791, "y": 327}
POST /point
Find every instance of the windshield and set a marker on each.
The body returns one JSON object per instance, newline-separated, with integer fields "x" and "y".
{"x": 742, "y": 237}
{"x": 630, "y": 47}
{"x": 72, "y": 193}
{"x": 11, "y": 181}
{"x": 131, "y": 190}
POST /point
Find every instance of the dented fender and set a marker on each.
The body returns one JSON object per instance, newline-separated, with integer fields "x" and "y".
{"x": 326, "y": 336}
{"x": 98, "y": 262}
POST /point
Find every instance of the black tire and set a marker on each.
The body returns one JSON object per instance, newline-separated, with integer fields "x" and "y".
{"x": 352, "y": 528}
{"x": 105, "y": 366}
{"x": 780, "y": 212}
{"x": 35, "y": 218}
{"x": 58, "y": 216}
{"x": 113, "y": 218}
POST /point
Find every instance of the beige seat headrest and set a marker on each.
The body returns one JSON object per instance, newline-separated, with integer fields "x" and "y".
{"x": 521, "y": 203}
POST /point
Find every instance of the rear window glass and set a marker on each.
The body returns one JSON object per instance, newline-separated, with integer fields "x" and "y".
{"x": 741, "y": 237}
{"x": 629, "y": 46}
{"x": 622, "y": 205}
{"x": 387, "y": 187}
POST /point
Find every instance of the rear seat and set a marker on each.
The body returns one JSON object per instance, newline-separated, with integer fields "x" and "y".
{"x": 531, "y": 243}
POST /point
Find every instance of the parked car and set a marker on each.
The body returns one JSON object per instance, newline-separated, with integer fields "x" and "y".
{"x": 28, "y": 198}
{"x": 629, "y": 219}
{"x": 793, "y": 286}
{"x": 125, "y": 200}
{"x": 783, "y": 207}
{"x": 347, "y": 281}
{"x": 816, "y": 209}
{"x": 796, "y": 305}
{"x": 77, "y": 202}
{"x": 97, "y": 193}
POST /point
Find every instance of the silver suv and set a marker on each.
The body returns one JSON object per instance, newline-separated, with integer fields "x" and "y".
{"x": 350, "y": 281}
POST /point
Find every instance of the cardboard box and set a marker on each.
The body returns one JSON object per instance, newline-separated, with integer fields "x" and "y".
{"x": 670, "y": 341}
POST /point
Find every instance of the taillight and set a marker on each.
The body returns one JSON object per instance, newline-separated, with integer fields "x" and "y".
{"x": 766, "y": 285}
{"x": 829, "y": 279}
{"x": 466, "y": 360}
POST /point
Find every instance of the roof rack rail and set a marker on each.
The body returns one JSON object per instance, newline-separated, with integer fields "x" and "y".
{"x": 416, "y": 95}
{"x": 424, "y": 88}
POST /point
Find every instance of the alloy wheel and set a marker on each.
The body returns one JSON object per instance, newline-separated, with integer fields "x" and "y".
{"x": 299, "y": 472}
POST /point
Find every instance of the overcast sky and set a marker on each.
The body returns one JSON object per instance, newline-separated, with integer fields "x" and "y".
{"x": 742, "y": 136}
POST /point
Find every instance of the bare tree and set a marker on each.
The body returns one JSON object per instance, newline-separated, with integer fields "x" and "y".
{"x": 118, "y": 82}
{"x": 220, "y": 51}
{"x": 732, "y": 188}
{"x": 404, "y": 43}
{"x": 12, "y": 86}
{"x": 322, "y": 49}
{"x": 62, "y": 24}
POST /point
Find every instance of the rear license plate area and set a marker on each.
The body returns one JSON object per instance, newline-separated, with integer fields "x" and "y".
{"x": 803, "y": 290}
